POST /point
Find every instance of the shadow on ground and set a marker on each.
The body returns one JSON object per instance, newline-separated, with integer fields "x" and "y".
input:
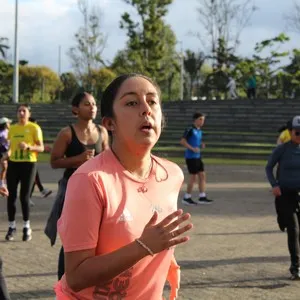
{"x": 194, "y": 264}
{"x": 32, "y": 294}
{"x": 31, "y": 275}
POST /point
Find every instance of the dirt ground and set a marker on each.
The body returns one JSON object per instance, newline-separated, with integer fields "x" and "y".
{"x": 236, "y": 250}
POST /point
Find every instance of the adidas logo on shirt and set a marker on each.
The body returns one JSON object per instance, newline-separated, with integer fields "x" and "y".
{"x": 125, "y": 216}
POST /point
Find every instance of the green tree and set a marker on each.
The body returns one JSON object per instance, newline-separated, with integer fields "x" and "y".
{"x": 124, "y": 62}
{"x": 100, "y": 79}
{"x": 269, "y": 65}
{"x": 151, "y": 44}
{"x": 3, "y": 46}
{"x": 289, "y": 78}
{"x": 223, "y": 22}
{"x": 6, "y": 72}
{"x": 6, "y": 76}
{"x": 193, "y": 63}
{"x": 86, "y": 55}
{"x": 266, "y": 67}
{"x": 70, "y": 86}
{"x": 224, "y": 61}
{"x": 38, "y": 84}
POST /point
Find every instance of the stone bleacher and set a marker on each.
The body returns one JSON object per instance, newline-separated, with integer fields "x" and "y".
{"x": 238, "y": 129}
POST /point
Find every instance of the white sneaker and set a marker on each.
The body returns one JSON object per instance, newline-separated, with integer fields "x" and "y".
{"x": 45, "y": 193}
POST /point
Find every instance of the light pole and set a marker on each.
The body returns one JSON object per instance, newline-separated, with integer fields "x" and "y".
{"x": 181, "y": 71}
{"x": 181, "y": 75}
{"x": 16, "y": 60}
{"x": 59, "y": 60}
{"x": 59, "y": 70}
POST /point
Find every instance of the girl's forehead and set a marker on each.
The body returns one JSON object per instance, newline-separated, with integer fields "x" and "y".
{"x": 136, "y": 85}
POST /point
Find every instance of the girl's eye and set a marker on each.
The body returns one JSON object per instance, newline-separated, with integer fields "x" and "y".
{"x": 152, "y": 102}
{"x": 131, "y": 103}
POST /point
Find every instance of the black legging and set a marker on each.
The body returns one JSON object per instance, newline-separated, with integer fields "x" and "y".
{"x": 61, "y": 264}
{"x": 293, "y": 238}
{"x": 3, "y": 289}
{"x": 37, "y": 181}
{"x": 288, "y": 205}
{"x": 23, "y": 172}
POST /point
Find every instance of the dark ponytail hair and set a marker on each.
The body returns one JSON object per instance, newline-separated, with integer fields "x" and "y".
{"x": 78, "y": 98}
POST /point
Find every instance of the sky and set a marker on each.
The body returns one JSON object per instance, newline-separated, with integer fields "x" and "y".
{"x": 44, "y": 25}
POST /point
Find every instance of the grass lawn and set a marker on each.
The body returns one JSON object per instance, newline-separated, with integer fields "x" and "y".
{"x": 210, "y": 132}
{"x": 223, "y": 161}
{"x": 220, "y": 144}
{"x": 216, "y": 150}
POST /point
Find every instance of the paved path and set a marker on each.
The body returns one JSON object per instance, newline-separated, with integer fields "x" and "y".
{"x": 236, "y": 249}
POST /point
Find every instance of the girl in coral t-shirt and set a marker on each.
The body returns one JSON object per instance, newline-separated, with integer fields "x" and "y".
{"x": 120, "y": 221}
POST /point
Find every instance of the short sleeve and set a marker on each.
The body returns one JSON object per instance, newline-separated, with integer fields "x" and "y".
{"x": 38, "y": 134}
{"x": 187, "y": 133}
{"x": 82, "y": 213}
{"x": 6, "y": 134}
{"x": 9, "y": 134}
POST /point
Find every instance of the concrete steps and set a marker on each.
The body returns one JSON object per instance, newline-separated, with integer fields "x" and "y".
{"x": 239, "y": 129}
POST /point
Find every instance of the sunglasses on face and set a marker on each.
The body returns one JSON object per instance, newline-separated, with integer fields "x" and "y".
{"x": 297, "y": 133}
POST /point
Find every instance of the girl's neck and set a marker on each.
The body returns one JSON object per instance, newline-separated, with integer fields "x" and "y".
{"x": 23, "y": 122}
{"x": 137, "y": 162}
{"x": 85, "y": 125}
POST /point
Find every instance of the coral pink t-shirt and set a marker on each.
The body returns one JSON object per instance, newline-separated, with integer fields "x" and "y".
{"x": 106, "y": 208}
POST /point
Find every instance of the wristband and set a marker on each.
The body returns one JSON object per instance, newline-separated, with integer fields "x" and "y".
{"x": 145, "y": 247}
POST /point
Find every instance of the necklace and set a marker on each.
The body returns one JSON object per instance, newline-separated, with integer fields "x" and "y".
{"x": 143, "y": 188}
{"x": 148, "y": 172}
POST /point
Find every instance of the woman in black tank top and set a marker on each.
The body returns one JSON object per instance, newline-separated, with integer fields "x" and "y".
{"x": 79, "y": 142}
{"x": 74, "y": 145}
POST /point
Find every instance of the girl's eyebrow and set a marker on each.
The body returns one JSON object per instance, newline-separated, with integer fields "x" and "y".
{"x": 135, "y": 94}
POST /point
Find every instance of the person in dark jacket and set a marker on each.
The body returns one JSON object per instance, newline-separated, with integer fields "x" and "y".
{"x": 286, "y": 189}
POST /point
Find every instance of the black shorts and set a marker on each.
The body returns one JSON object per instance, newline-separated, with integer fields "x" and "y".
{"x": 194, "y": 165}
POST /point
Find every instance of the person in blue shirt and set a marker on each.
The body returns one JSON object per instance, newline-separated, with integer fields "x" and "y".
{"x": 192, "y": 141}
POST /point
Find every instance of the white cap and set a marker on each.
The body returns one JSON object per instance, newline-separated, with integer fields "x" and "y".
{"x": 5, "y": 120}
{"x": 296, "y": 122}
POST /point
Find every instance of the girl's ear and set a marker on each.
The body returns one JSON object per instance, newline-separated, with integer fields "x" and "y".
{"x": 108, "y": 124}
